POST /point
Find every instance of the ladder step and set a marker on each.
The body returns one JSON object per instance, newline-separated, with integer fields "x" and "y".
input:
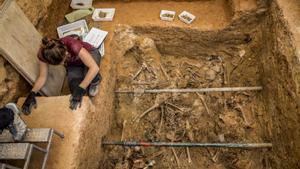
{"x": 36, "y": 135}
{"x": 14, "y": 151}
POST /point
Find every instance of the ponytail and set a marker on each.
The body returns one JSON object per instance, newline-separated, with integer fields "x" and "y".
{"x": 52, "y": 51}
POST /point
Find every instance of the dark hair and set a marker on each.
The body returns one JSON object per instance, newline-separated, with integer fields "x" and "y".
{"x": 6, "y": 117}
{"x": 53, "y": 51}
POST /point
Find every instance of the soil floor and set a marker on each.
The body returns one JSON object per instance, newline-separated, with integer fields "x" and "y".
{"x": 236, "y": 117}
{"x": 210, "y": 15}
{"x": 183, "y": 117}
{"x": 210, "y": 117}
{"x": 203, "y": 117}
{"x": 180, "y": 117}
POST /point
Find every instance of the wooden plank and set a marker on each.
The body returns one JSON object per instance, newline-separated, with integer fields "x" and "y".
{"x": 36, "y": 135}
{"x": 19, "y": 44}
{"x": 7, "y": 166}
{"x": 13, "y": 151}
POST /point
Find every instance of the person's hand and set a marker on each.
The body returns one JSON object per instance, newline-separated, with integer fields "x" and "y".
{"x": 29, "y": 103}
{"x": 76, "y": 97}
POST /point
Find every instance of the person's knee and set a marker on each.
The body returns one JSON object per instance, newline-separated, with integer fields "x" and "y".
{"x": 96, "y": 56}
{"x": 75, "y": 72}
{"x": 6, "y": 117}
{"x": 97, "y": 78}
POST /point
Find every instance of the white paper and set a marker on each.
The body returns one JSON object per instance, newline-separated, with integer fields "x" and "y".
{"x": 95, "y": 37}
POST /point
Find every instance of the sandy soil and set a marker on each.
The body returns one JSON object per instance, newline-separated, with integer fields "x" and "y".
{"x": 226, "y": 119}
{"x": 210, "y": 15}
{"x": 280, "y": 64}
{"x": 183, "y": 117}
{"x": 64, "y": 153}
{"x": 47, "y": 25}
{"x": 292, "y": 11}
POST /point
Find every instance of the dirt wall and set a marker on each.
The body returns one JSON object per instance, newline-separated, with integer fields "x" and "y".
{"x": 35, "y": 10}
{"x": 100, "y": 121}
{"x": 238, "y": 7}
{"x": 243, "y": 35}
{"x": 181, "y": 41}
{"x": 45, "y": 15}
{"x": 280, "y": 68}
{"x": 12, "y": 84}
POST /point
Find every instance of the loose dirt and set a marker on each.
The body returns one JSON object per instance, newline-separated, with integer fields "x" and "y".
{"x": 203, "y": 117}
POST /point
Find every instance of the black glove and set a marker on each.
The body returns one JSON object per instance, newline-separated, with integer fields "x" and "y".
{"x": 76, "y": 97}
{"x": 29, "y": 103}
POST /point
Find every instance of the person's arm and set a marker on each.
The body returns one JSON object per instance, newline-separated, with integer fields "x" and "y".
{"x": 39, "y": 83}
{"x": 80, "y": 90}
{"x": 41, "y": 80}
{"x": 88, "y": 60}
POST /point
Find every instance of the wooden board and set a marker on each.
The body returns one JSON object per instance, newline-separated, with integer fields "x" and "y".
{"x": 19, "y": 44}
{"x": 6, "y": 166}
{"x": 13, "y": 150}
{"x": 33, "y": 135}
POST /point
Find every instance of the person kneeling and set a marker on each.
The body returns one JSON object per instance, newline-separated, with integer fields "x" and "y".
{"x": 81, "y": 61}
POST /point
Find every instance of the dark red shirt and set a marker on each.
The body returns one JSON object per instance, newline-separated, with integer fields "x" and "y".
{"x": 73, "y": 46}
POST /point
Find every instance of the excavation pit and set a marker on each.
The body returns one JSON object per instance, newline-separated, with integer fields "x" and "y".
{"x": 240, "y": 44}
{"x": 245, "y": 53}
{"x": 159, "y": 58}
